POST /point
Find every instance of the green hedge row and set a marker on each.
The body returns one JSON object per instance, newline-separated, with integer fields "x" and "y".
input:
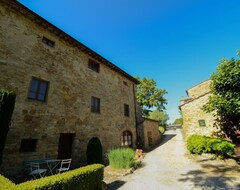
{"x": 198, "y": 144}
{"x": 6, "y": 183}
{"x": 84, "y": 178}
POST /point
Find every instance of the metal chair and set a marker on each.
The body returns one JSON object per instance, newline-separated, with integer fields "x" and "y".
{"x": 36, "y": 171}
{"x": 64, "y": 166}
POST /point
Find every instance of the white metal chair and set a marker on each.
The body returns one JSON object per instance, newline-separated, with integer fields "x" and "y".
{"x": 64, "y": 166}
{"x": 36, "y": 171}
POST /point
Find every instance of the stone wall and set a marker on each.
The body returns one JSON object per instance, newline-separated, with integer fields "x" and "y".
{"x": 192, "y": 111}
{"x": 199, "y": 89}
{"x": 140, "y": 129}
{"x": 71, "y": 85}
{"x": 151, "y": 133}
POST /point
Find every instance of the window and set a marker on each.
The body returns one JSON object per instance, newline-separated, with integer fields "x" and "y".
{"x": 202, "y": 123}
{"x": 28, "y": 145}
{"x": 48, "y": 42}
{"x": 125, "y": 83}
{"x": 95, "y": 105}
{"x": 38, "y": 89}
{"x": 93, "y": 65}
{"x": 127, "y": 138}
{"x": 126, "y": 110}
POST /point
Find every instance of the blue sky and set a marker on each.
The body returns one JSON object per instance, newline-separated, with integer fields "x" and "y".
{"x": 178, "y": 43}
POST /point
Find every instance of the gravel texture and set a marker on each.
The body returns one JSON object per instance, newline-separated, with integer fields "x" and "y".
{"x": 169, "y": 166}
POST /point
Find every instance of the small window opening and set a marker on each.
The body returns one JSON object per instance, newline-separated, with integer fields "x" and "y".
{"x": 48, "y": 42}
{"x": 126, "y": 110}
{"x": 95, "y": 104}
{"x": 93, "y": 65}
{"x": 28, "y": 145}
{"x": 202, "y": 123}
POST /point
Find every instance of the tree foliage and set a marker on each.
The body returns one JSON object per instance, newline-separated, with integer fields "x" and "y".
{"x": 7, "y": 103}
{"x": 225, "y": 100}
{"x": 149, "y": 96}
{"x": 160, "y": 116}
{"x": 178, "y": 121}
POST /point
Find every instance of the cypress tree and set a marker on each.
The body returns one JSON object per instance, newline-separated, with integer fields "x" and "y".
{"x": 7, "y": 103}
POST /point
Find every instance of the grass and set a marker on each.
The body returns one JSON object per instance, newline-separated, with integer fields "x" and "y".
{"x": 121, "y": 158}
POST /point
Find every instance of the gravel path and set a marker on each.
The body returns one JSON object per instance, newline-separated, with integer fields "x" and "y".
{"x": 169, "y": 167}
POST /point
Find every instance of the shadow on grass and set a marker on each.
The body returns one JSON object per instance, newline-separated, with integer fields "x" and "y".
{"x": 115, "y": 184}
{"x": 215, "y": 178}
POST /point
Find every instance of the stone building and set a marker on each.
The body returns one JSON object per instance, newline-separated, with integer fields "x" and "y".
{"x": 147, "y": 130}
{"x": 195, "y": 120}
{"x": 152, "y": 135}
{"x": 66, "y": 92}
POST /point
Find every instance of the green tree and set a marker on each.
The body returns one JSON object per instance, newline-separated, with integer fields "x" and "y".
{"x": 178, "y": 121}
{"x": 94, "y": 151}
{"x": 224, "y": 103}
{"x": 160, "y": 116}
{"x": 7, "y": 103}
{"x": 149, "y": 96}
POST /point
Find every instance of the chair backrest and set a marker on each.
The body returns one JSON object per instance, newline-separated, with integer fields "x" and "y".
{"x": 66, "y": 163}
{"x": 34, "y": 166}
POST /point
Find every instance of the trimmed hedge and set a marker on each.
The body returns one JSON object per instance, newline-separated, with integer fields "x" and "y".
{"x": 84, "y": 178}
{"x": 198, "y": 144}
{"x": 6, "y": 183}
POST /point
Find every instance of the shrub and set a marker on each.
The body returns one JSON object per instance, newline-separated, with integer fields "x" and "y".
{"x": 121, "y": 158}
{"x": 221, "y": 147}
{"x": 198, "y": 144}
{"x": 161, "y": 129}
{"x": 84, "y": 178}
{"x": 6, "y": 183}
{"x": 94, "y": 151}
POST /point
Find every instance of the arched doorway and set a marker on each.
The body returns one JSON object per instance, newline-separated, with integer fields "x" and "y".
{"x": 127, "y": 138}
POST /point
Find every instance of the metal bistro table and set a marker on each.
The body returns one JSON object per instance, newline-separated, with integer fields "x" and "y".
{"x": 52, "y": 164}
{"x": 49, "y": 163}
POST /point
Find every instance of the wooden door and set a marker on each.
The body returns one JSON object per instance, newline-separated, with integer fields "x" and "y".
{"x": 65, "y": 145}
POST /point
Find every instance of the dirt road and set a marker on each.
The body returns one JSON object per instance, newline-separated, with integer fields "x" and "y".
{"x": 169, "y": 167}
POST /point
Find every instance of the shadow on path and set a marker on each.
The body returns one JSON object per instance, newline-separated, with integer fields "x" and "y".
{"x": 115, "y": 184}
{"x": 214, "y": 178}
{"x": 165, "y": 139}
